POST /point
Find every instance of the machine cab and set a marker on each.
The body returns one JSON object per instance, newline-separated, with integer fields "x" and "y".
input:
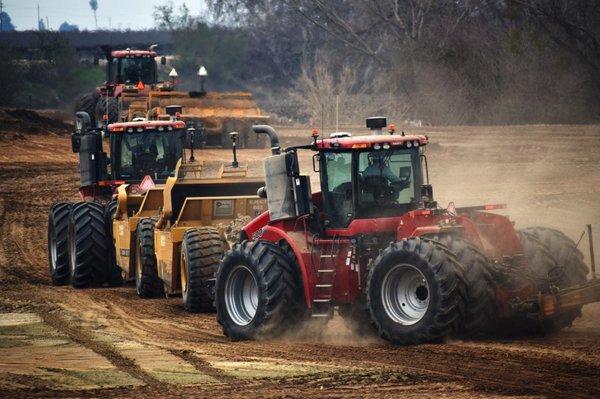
{"x": 146, "y": 148}
{"x": 369, "y": 177}
{"x": 132, "y": 66}
{"x": 363, "y": 177}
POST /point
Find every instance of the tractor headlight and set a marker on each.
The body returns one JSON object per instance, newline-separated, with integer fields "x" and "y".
{"x": 416, "y": 143}
{"x": 408, "y": 144}
{"x": 377, "y": 147}
{"x": 386, "y": 146}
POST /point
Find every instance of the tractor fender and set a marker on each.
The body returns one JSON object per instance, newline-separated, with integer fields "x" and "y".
{"x": 252, "y": 228}
{"x": 277, "y": 236}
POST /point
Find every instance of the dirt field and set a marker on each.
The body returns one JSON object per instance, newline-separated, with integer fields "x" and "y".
{"x": 109, "y": 343}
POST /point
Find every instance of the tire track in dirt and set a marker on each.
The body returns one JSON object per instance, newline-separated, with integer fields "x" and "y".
{"x": 15, "y": 255}
{"x": 204, "y": 366}
{"x": 491, "y": 372}
{"x": 87, "y": 340}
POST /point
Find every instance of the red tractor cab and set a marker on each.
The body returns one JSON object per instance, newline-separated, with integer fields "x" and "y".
{"x": 130, "y": 77}
{"x": 374, "y": 245}
{"x": 138, "y": 150}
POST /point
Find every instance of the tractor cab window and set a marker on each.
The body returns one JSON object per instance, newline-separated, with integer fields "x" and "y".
{"x": 146, "y": 153}
{"x": 133, "y": 70}
{"x": 386, "y": 183}
{"x": 337, "y": 187}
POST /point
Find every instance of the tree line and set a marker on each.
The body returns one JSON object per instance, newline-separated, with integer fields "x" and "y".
{"x": 441, "y": 61}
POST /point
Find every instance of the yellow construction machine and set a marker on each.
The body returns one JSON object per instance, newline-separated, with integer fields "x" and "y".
{"x": 171, "y": 239}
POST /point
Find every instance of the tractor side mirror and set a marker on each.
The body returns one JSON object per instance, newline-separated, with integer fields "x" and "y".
{"x": 163, "y": 60}
{"x": 262, "y": 192}
{"x": 75, "y": 142}
{"x": 315, "y": 160}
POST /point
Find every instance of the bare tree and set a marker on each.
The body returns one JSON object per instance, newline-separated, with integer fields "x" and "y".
{"x": 94, "y": 6}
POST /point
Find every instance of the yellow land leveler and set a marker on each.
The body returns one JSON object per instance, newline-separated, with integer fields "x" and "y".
{"x": 171, "y": 239}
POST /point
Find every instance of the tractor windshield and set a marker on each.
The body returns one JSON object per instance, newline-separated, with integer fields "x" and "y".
{"x": 368, "y": 184}
{"x": 385, "y": 182}
{"x": 146, "y": 153}
{"x": 133, "y": 70}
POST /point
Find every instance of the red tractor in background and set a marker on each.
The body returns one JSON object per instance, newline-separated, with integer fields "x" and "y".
{"x": 130, "y": 75}
{"x": 374, "y": 245}
{"x": 133, "y": 90}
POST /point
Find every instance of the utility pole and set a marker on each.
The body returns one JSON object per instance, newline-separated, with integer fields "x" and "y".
{"x": 47, "y": 23}
{"x": 1, "y": 19}
{"x": 38, "y": 19}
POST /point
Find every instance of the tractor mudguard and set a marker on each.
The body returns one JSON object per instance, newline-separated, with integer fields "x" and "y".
{"x": 493, "y": 234}
{"x": 255, "y": 225}
{"x": 277, "y": 236}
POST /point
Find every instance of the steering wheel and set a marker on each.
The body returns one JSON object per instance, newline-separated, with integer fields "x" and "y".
{"x": 145, "y": 163}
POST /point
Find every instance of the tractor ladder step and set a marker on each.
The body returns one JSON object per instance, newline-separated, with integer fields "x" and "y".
{"x": 323, "y": 292}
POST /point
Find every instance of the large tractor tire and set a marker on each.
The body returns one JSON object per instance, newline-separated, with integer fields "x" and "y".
{"x": 108, "y": 106}
{"x": 202, "y": 250}
{"x": 115, "y": 277}
{"x": 555, "y": 257}
{"x": 416, "y": 292}
{"x": 88, "y": 245}
{"x": 258, "y": 292}
{"x": 87, "y": 103}
{"x": 482, "y": 310}
{"x": 58, "y": 243}
{"x": 147, "y": 282}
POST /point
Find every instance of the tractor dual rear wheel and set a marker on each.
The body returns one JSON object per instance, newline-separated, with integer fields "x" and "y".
{"x": 482, "y": 308}
{"x": 258, "y": 293}
{"x": 115, "y": 277}
{"x": 201, "y": 252}
{"x": 557, "y": 263}
{"x": 87, "y": 103}
{"x": 58, "y": 243}
{"x": 147, "y": 282}
{"x": 108, "y": 106}
{"x": 88, "y": 245}
{"x": 416, "y": 292}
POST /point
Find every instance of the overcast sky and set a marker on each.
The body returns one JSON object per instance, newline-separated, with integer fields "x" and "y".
{"x": 118, "y": 14}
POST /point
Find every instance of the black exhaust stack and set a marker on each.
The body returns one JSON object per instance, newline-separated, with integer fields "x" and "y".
{"x": 268, "y": 130}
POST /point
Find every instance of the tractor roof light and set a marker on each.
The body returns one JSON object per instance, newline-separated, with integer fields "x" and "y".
{"x": 391, "y": 128}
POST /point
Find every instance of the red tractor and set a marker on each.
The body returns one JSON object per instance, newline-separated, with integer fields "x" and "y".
{"x": 131, "y": 75}
{"x": 133, "y": 90}
{"x": 374, "y": 245}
